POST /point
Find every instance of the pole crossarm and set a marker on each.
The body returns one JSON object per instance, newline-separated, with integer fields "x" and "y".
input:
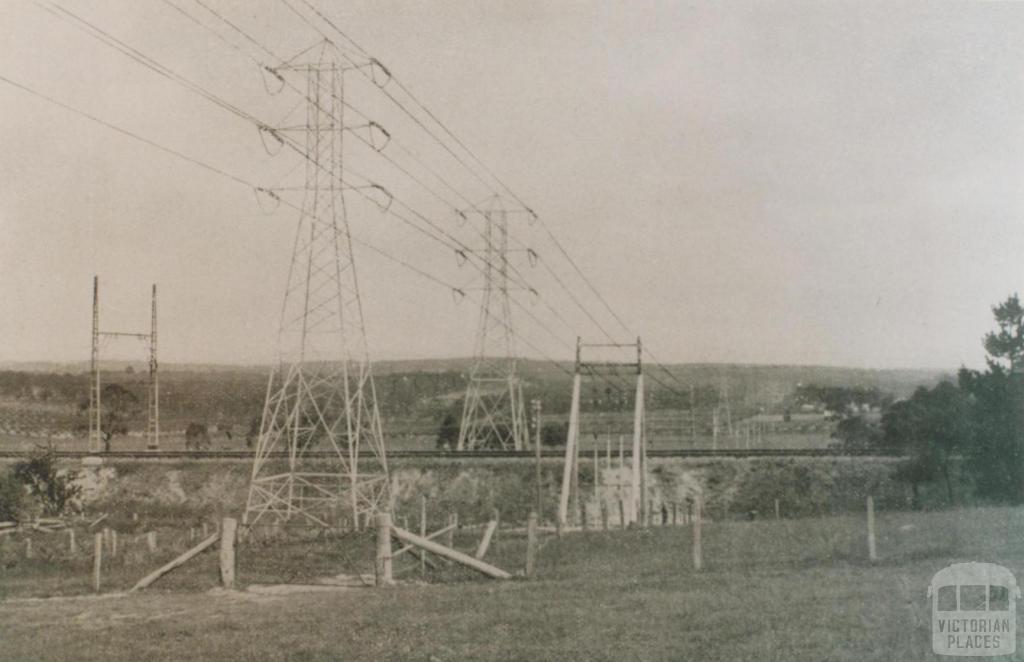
{"x": 637, "y": 509}
{"x": 97, "y": 436}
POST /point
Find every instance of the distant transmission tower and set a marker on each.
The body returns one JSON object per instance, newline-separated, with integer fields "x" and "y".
{"x": 722, "y": 411}
{"x": 321, "y": 394}
{"x": 96, "y": 435}
{"x": 493, "y": 414}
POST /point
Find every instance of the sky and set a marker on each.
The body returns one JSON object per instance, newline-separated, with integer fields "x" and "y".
{"x": 783, "y": 183}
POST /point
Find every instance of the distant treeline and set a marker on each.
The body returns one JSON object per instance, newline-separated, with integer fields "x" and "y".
{"x": 233, "y": 397}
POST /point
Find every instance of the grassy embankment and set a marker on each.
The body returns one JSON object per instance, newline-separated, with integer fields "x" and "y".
{"x": 793, "y": 590}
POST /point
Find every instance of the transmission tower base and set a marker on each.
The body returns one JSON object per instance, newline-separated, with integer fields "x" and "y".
{"x": 317, "y": 500}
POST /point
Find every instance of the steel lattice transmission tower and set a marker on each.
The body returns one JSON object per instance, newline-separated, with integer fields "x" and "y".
{"x": 320, "y": 396}
{"x": 493, "y": 414}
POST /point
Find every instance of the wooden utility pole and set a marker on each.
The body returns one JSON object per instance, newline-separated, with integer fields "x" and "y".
{"x": 97, "y": 561}
{"x": 698, "y": 515}
{"x": 693, "y": 416}
{"x": 536, "y": 406}
{"x": 423, "y": 532}
{"x": 872, "y": 555}
{"x": 531, "y": 545}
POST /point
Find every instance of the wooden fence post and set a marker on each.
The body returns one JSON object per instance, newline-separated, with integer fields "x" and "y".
{"x": 485, "y": 542}
{"x": 28, "y": 548}
{"x": 698, "y": 558}
{"x": 622, "y": 514}
{"x": 227, "y": 552}
{"x": 151, "y": 541}
{"x": 106, "y": 537}
{"x": 604, "y": 515}
{"x": 113, "y": 543}
{"x": 71, "y": 542}
{"x": 383, "y": 564}
{"x": 423, "y": 532}
{"x": 531, "y": 545}
{"x": 97, "y": 561}
{"x": 777, "y": 509}
{"x": 872, "y": 555}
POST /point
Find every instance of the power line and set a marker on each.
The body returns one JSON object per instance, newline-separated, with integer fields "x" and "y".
{"x": 125, "y": 132}
{"x": 422, "y": 107}
{"x": 149, "y": 62}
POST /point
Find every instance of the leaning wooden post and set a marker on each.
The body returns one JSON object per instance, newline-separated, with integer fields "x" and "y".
{"x": 177, "y": 562}
{"x": 227, "y": 552}
{"x": 531, "y": 545}
{"x": 423, "y": 532}
{"x": 485, "y": 542}
{"x": 698, "y": 558}
{"x": 872, "y": 555}
{"x": 383, "y": 564}
{"x": 97, "y": 561}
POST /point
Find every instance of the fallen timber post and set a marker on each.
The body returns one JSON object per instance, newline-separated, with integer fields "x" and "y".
{"x": 181, "y": 560}
{"x": 412, "y": 549}
{"x": 448, "y": 553}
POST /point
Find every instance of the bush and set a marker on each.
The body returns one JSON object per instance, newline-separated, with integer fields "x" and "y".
{"x": 11, "y": 496}
{"x": 55, "y": 490}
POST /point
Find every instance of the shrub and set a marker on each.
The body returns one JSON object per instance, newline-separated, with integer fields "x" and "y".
{"x": 54, "y": 489}
{"x": 11, "y": 495}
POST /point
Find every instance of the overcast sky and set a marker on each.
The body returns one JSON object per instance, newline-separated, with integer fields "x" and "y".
{"x": 818, "y": 183}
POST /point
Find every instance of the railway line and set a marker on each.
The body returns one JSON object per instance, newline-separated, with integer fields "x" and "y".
{"x": 240, "y": 455}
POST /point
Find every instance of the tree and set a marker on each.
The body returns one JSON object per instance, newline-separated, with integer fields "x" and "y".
{"x": 118, "y": 408}
{"x": 54, "y": 489}
{"x": 930, "y": 428}
{"x": 11, "y": 496}
{"x": 996, "y": 455}
{"x": 448, "y": 432}
{"x": 197, "y": 436}
{"x": 855, "y": 433}
{"x": 1007, "y": 343}
{"x": 253, "y": 433}
{"x": 554, "y": 434}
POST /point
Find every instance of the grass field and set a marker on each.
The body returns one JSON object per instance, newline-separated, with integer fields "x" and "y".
{"x": 793, "y": 590}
